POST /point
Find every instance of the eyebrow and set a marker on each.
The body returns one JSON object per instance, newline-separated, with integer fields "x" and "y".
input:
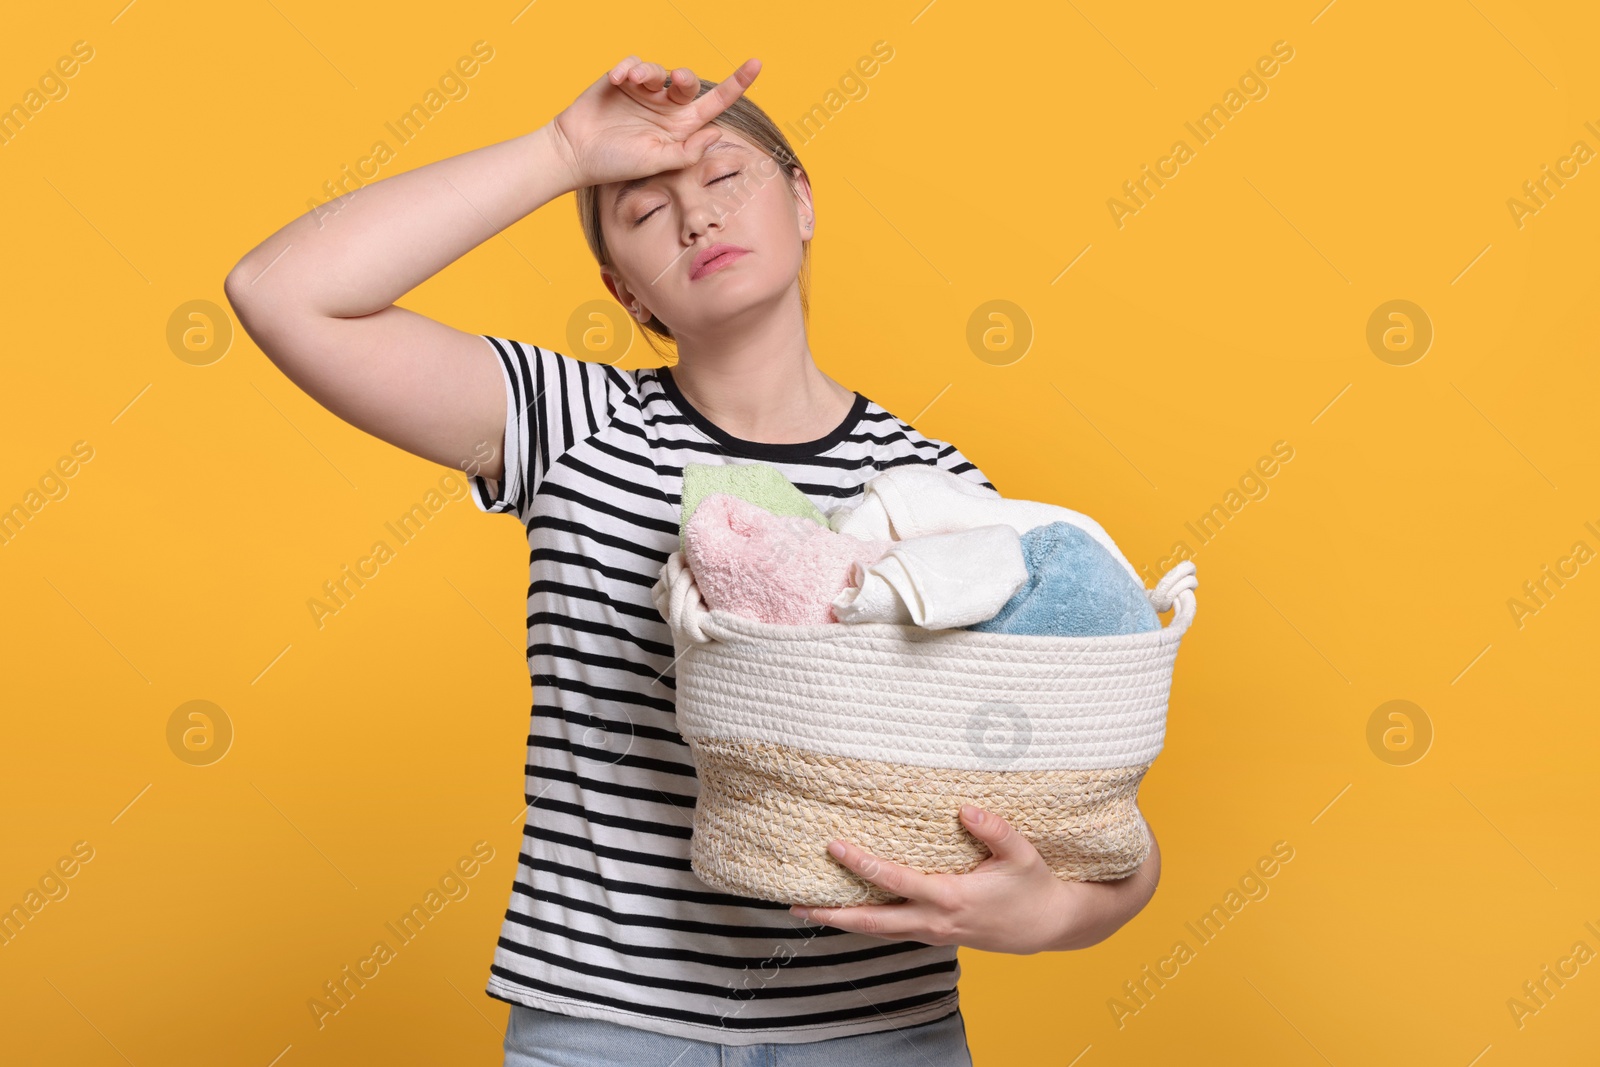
{"x": 633, "y": 185}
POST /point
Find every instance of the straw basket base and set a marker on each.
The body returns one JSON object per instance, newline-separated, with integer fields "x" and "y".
{"x": 766, "y": 813}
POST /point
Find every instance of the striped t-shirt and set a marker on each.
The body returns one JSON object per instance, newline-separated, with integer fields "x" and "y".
{"x": 607, "y": 920}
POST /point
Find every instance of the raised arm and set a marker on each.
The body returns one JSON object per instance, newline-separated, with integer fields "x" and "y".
{"x": 318, "y": 298}
{"x": 318, "y": 295}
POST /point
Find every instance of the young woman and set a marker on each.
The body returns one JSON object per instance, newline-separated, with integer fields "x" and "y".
{"x": 700, "y": 217}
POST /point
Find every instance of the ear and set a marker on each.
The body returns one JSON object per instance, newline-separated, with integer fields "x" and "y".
{"x": 624, "y": 296}
{"x": 805, "y": 216}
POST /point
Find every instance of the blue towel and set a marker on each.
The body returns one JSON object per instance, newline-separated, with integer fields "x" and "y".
{"x": 1074, "y": 588}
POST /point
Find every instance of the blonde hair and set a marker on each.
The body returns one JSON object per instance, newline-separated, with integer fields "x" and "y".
{"x": 745, "y": 117}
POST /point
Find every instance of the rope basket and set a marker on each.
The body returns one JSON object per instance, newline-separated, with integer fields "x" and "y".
{"x": 877, "y": 733}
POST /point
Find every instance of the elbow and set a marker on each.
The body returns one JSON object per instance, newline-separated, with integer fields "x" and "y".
{"x": 259, "y": 311}
{"x": 254, "y": 303}
{"x": 260, "y": 277}
{"x": 236, "y": 286}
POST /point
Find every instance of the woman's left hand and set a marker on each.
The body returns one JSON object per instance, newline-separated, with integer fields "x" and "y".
{"x": 1011, "y": 902}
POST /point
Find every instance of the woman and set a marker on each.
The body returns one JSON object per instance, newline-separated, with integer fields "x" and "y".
{"x": 700, "y": 216}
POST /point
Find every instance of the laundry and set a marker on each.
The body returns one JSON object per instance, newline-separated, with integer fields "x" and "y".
{"x": 774, "y": 568}
{"x": 759, "y": 483}
{"x": 923, "y": 547}
{"x": 919, "y": 499}
{"x": 1074, "y": 588}
{"x": 940, "y": 581}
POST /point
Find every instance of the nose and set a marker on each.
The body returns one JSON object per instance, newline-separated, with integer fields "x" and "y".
{"x": 701, "y": 211}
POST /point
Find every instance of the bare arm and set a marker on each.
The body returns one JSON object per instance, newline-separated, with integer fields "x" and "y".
{"x": 318, "y": 298}
{"x": 318, "y": 295}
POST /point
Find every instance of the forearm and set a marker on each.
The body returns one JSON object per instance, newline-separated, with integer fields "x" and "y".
{"x": 1096, "y": 910}
{"x": 361, "y": 252}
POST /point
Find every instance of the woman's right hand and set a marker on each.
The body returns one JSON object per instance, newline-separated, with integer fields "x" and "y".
{"x": 639, "y": 119}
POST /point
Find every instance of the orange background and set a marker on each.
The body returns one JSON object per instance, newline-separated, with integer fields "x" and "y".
{"x": 1231, "y": 311}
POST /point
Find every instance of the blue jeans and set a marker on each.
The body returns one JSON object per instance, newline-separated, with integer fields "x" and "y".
{"x": 539, "y": 1038}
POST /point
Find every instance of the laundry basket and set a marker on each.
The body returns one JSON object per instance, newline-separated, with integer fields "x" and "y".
{"x": 877, "y": 733}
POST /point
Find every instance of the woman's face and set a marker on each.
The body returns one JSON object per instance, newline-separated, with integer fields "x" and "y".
{"x": 657, "y": 228}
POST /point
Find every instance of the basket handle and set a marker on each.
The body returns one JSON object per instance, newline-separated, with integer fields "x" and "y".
{"x": 679, "y": 600}
{"x": 1176, "y": 589}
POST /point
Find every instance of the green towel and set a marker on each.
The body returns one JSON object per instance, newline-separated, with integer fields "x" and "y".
{"x": 759, "y": 483}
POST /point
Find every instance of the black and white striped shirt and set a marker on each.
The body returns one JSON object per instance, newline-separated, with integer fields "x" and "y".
{"x": 606, "y": 918}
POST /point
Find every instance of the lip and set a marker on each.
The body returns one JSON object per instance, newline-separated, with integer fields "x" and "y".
{"x": 714, "y": 258}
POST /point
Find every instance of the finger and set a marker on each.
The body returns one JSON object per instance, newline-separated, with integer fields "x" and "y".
{"x": 893, "y": 921}
{"x": 695, "y": 146}
{"x": 620, "y": 71}
{"x": 727, "y": 91}
{"x": 1002, "y": 838}
{"x": 648, "y": 76}
{"x": 681, "y": 85}
{"x": 898, "y": 879}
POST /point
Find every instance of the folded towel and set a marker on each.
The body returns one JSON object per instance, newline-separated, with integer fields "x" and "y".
{"x": 918, "y": 499}
{"x": 1074, "y": 588}
{"x": 760, "y": 483}
{"x": 775, "y": 568}
{"x": 942, "y": 580}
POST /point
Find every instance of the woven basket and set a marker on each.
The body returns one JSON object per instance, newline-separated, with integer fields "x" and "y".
{"x": 877, "y": 733}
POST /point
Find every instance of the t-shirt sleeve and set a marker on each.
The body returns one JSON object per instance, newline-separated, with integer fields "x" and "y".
{"x": 553, "y": 401}
{"x": 950, "y": 458}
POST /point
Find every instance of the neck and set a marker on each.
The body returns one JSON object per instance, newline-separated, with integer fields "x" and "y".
{"x": 754, "y": 376}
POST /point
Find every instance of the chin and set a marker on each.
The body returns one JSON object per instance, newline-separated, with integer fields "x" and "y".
{"x": 728, "y": 301}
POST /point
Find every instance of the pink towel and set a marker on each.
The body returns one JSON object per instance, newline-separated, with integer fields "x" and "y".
{"x": 775, "y": 568}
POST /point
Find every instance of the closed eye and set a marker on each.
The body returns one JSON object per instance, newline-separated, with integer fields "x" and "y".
{"x": 713, "y": 181}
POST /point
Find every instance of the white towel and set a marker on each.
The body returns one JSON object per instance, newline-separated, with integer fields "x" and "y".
{"x": 918, "y": 499}
{"x": 938, "y": 581}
